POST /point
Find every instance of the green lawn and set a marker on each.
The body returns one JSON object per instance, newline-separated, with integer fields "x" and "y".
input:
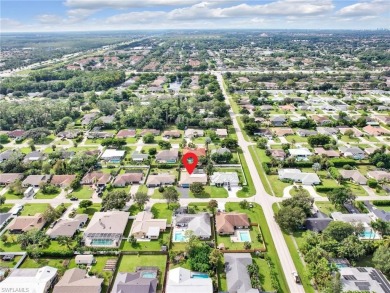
{"x": 40, "y": 195}
{"x": 33, "y": 208}
{"x": 161, "y": 211}
{"x": 265, "y": 277}
{"x": 350, "y": 139}
{"x": 12, "y": 196}
{"x": 142, "y": 188}
{"x": 295, "y": 191}
{"x": 153, "y": 245}
{"x": 10, "y": 264}
{"x": 225, "y": 239}
{"x": 211, "y": 192}
{"x": 385, "y": 208}
{"x": 91, "y": 210}
{"x": 357, "y": 190}
{"x": 85, "y": 192}
{"x": 98, "y": 269}
{"x": 296, "y": 138}
{"x": 222, "y": 283}
{"x": 328, "y": 208}
{"x": 259, "y": 157}
{"x": 277, "y": 185}
{"x": 129, "y": 263}
{"x": 256, "y": 215}
{"x": 59, "y": 263}
{"x": 5, "y": 207}
{"x": 249, "y": 190}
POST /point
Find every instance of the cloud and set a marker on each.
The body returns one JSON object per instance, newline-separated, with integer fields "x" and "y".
{"x": 137, "y": 17}
{"x": 49, "y": 19}
{"x": 374, "y": 7}
{"x": 96, "y": 4}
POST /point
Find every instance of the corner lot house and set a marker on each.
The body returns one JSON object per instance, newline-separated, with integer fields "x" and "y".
{"x": 67, "y": 227}
{"x": 354, "y": 175}
{"x": 237, "y": 276}
{"x": 114, "y": 156}
{"x": 8, "y": 178}
{"x": 301, "y": 154}
{"x": 30, "y": 280}
{"x": 123, "y": 180}
{"x": 297, "y": 176}
{"x": 35, "y": 180}
{"x": 221, "y": 132}
{"x": 106, "y": 229}
{"x": 227, "y": 223}
{"x": 145, "y": 227}
{"x": 377, "y": 175}
{"x": 187, "y": 179}
{"x": 139, "y": 281}
{"x": 197, "y": 223}
{"x": 97, "y": 178}
{"x": 363, "y": 279}
{"x": 160, "y": 180}
{"x": 26, "y": 223}
{"x": 167, "y": 156}
{"x": 182, "y": 280}
{"x": 224, "y": 179}
{"x": 75, "y": 280}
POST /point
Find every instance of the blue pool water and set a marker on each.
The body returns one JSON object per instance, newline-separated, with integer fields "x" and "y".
{"x": 341, "y": 265}
{"x": 244, "y": 236}
{"x": 149, "y": 275}
{"x": 101, "y": 242}
{"x": 115, "y": 161}
{"x": 179, "y": 237}
{"x": 368, "y": 234}
{"x": 199, "y": 276}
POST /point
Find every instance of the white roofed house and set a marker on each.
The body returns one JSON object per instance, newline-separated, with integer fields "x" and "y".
{"x": 379, "y": 175}
{"x": 355, "y": 219}
{"x": 354, "y": 152}
{"x": 167, "y": 156}
{"x": 190, "y": 132}
{"x": 29, "y": 280}
{"x": 187, "y": 179}
{"x": 297, "y": 176}
{"x": 224, "y": 178}
{"x": 145, "y": 227}
{"x": 114, "y": 156}
{"x": 301, "y": 154}
{"x": 181, "y": 280}
{"x": 199, "y": 224}
{"x": 106, "y": 229}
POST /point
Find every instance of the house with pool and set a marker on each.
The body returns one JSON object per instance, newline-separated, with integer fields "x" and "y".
{"x": 182, "y": 280}
{"x": 199, "y": 224}
{"x": 106, "y": 229}
{"x": 354, "y": 219}
{"x": 235, "y": 224}
{"x": 144, "y": 279}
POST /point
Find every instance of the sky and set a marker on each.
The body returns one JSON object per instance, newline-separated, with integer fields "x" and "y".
{"x": 93, "y": 15}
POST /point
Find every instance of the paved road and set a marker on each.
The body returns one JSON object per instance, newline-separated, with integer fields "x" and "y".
{"x": 266, "y": 201}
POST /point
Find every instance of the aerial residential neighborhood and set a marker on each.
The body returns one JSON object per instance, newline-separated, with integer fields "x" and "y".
{"x": 195, "y": 147}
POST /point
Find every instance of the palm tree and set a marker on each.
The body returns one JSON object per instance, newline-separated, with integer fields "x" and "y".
{"x": 381, "y": 226}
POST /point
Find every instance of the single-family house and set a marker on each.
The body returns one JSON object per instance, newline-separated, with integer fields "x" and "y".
{"x": 237, "y": 276}
{"x": 221, "y": 132}
{"x": 24, "y": 224}
{"x": 88, "y": 118}
{"x": 187, "y": 179}
{"x": 139, "y": 157}
{"x": 167, "y": 156}
{"x": 317, "y": 222}
{"x": 301, "y": 154}
{"x": 288, "y": 108}
{"x": 327, "y": 153}
{"x": 67, "y": 227}
{"x": 76, "y": 280}
{"x": 171, "y": 134}
{"x": 283, "y": 131}
{"x": 199, "y": 224}
{"x": 85, "y": 259}
{"x": 4, "y": 156}
{"x": 125, "y": 133}
{"x": 182, "y": 280}
{"x": 145, "y": 227}
{"x": 363, "y": 279}
{"x": 264, "y": 132}
{"x": 278, "y": 154}
{"x": 228, "y": 223}
{"x": 8, "y": 178}
{"x": 320, "y": 120}
{"x": 190, "y": 132}
{"x": 354, "y": 152}
{"x": 327, "y": 130}
{"x": 123, "y": 180}
{"x": 297, "y": 175}
{"x": 306, "y": 132}
{"x": 39, "y": 280}
{"x": 355, "y": 219}
{"x": 35, "y": 180}
{"x": 199, "y": 152}
{"x": 106, "y": 229}
{"x": 4, "y": 217}
{"x": 114, "y": 156}
{"x": 379, "y": 175}
{"x": 96, "y": 178}
{"x": 33, "y": 156}
{"x": 18, "y": 133}
{"x": 99, "y": 134}
{"x": 356, "y": 131}
{"x": 224, "y": 179}
{"x": 62, "y": 181}
{"x": 155, "y": 132}
{"x": 375, "y": 130}
{"x": 160, "y": 180}
{"x": 277, "y": 121}
{"x": 70, "y": 134}
{"x": 140, "y": 281}
{"x": 107, "y": 119}
{"x": 354, "y": 175}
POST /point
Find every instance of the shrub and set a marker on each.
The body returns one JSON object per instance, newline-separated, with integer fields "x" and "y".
{"x": 381, "y": 202}
{"x": 326, "y": 188}
{"x": 372, "y": 183}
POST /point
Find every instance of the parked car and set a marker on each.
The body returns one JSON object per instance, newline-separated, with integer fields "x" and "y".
{"x": 296, "y": 277}
{"x": 74, "y": 198}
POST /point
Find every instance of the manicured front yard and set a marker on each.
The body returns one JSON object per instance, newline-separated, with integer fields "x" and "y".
{"x": 249, "y": 189}
{"x": 31, "y": 209}
{"x": 91, "y": 210}
{"x": 259, "y": 157}
{"x": 212, "y": 192}
{"x": 328, "y": 208}
{"x": 5, "y": 207}
{"x": 85, "y": 192}
{"x": 277, "y": 185}
{"x": 129, "y": 263}
{"x": 40, "y": 195}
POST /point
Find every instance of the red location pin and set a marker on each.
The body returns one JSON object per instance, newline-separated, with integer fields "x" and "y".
{"x": 190, "y": 160}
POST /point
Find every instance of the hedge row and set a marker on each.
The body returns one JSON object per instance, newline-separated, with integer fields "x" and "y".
{"x": 340, "y": 162}
{"x": 326, "y": 188}
{"x": 334, "y": 172}
{"x": 381, "y": 202}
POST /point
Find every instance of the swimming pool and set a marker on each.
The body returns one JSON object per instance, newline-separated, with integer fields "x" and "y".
{"x": 179, "y": 237}
{"x": 368, "y": 235}
{"x": 149, "y": 275}
{"x": 102, "y": 242}
{"x": 199, "y": 276}
{"x": 244, "y": 236}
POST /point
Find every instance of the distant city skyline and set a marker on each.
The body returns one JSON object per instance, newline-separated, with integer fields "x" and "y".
{"x": 93, "y": 15}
